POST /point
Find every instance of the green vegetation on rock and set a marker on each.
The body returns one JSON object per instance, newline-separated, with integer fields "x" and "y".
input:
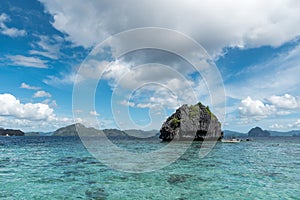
{"x": 193, "y": 110}
{"x": 175, "y": 122}
{"x": 208, "y": 110}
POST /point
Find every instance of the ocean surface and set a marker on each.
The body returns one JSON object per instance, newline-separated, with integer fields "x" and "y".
{"x": 61, "y": 168}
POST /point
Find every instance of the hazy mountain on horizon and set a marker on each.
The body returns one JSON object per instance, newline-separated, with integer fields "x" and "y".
{"x": 229, "y": 133}
{"x": 154, "y": 132}
{"x": 71, "y": 130}
{"x": 287, "y": 133}
{"x": 37, "y": 133}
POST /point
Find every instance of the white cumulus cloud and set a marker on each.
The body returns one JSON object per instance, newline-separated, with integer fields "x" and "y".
{"x": 276, "y": 126}
{"x": 297, "y": 123}
{"x": 286, "y": 101}
{"x": 12, "y": 107}
{"x": 278, "y": 106}
{"x": 127, "y": 103}
{"x": 27, "y": 61}
{"x": 255, "y": 108}
{"x": 164, "y": 85}
{"x": 65, "y": 79}
{"x": 94, "y": 113}
{"x": 12, "y": 32}
{"x": 41, "y": 93}
{"x": 48, "y": 46}
{"x": 29, "y": 87}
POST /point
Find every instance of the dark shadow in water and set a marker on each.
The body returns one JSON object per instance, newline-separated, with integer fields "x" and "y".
{"x": 96, "y": 193}
{"x": 178, "y": 178}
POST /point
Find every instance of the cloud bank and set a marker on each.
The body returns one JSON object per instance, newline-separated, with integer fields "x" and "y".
{"x": 214, "y": 24}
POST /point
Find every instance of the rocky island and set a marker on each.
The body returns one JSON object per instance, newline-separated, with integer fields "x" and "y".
{"x": 194, "y": 122}
{"x": 11, "y": 132}
{"x": 258, "y": 132}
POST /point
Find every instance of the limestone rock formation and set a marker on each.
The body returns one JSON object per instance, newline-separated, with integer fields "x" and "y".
{"x": 195, "y": 122}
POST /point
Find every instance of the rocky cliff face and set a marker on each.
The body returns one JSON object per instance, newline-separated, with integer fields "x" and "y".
{"x": 195, "y": 122}
{"x": 258, "y": 132}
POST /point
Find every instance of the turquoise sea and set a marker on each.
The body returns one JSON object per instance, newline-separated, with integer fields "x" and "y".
{"x": 61, "y": 168}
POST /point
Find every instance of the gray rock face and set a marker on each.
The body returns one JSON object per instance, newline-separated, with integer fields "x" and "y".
{"x": 195, "y": 122}
{"x": 258, "y": 132}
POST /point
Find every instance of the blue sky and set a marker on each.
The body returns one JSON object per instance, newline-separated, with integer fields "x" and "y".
{"x": 255, "y": 46}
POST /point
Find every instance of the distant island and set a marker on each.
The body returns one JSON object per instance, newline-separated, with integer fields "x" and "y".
{"x": 11, "y": 132}
{"x": 258, "y": 132}
{"x": 32, "y": 134}
{"x": 287, "y": 133}
{"x": 293, "y": 133}
{"x": 72, "y": 130}
{"x": 229, "y": 133}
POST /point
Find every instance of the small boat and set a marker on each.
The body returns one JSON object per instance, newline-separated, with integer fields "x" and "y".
{"x": 230, "y": 140}
{"x": 6, "y": 135}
